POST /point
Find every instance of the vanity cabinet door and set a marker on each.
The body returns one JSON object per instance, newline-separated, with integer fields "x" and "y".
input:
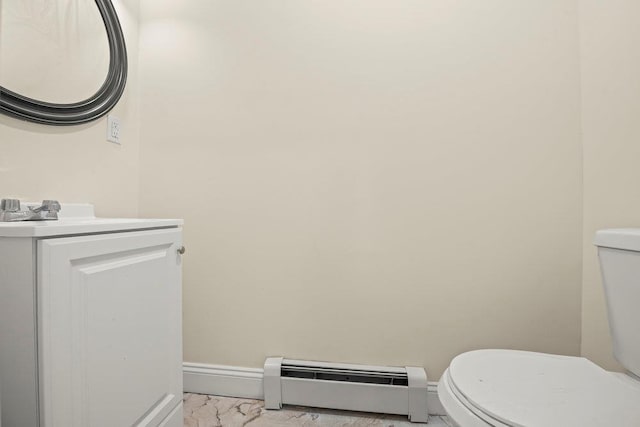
{"x": 110, "y": 333}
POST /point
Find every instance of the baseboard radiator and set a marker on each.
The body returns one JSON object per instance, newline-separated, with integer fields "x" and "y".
{"x": 381, "y": 389}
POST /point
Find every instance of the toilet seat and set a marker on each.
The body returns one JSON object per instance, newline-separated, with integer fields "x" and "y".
{"x": 522, "y": 389}
{"x": 460, "y": 410}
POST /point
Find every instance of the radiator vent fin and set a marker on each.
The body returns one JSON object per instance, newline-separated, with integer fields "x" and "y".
{"x": 347, "y": 375}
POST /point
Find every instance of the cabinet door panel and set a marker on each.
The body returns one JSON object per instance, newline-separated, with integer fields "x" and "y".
{"x": 110, "y": 347}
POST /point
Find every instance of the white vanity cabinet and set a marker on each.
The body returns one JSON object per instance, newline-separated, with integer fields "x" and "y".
{"x": 91, "y": 323}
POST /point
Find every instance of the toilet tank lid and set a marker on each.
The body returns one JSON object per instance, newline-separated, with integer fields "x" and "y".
{"x": 619, "y": 238}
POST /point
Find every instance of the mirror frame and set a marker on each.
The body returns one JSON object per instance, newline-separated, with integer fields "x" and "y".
{"x": 32, "y": 110}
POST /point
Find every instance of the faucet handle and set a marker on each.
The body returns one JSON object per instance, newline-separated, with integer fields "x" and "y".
{"x": 47, "y": 211}
{"x": 10, "y": 205}
{"x": 51, "y": 206}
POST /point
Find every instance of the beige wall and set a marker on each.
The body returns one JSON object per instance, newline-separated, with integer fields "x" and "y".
{"x": 72, "y": 164}
{"x": 367, "y": 181}
{"x": 610, "y": 37}
{"x": 384, "y": 182}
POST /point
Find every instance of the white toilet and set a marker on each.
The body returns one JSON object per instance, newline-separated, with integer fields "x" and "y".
{"x": 524, "y": 389}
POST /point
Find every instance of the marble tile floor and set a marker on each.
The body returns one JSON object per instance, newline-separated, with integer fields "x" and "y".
{"x": 214, "y": 411}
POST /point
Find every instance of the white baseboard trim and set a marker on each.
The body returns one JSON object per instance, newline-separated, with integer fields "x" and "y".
{"x": 246, "y": 383}
{"x": 221, "y": 380}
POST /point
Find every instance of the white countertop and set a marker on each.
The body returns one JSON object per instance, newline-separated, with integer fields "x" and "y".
{"x": 80, "y": 219}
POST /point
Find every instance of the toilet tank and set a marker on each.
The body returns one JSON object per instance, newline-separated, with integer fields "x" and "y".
{"x": 619, "y": 254}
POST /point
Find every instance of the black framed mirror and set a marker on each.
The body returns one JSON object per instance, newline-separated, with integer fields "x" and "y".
{"x": 92, "y": 108}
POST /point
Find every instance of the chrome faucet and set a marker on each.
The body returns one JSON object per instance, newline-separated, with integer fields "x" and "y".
{"x": 10, "y": 210}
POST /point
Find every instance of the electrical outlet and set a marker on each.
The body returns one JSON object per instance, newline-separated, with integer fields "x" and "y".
{"x": 113, "y": 129}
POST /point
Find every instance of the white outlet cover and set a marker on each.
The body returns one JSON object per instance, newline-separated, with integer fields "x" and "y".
{"x": 114, "y": 129}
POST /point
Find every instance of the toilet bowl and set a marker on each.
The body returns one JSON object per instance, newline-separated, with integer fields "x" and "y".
{"x": 525, "y": 389}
